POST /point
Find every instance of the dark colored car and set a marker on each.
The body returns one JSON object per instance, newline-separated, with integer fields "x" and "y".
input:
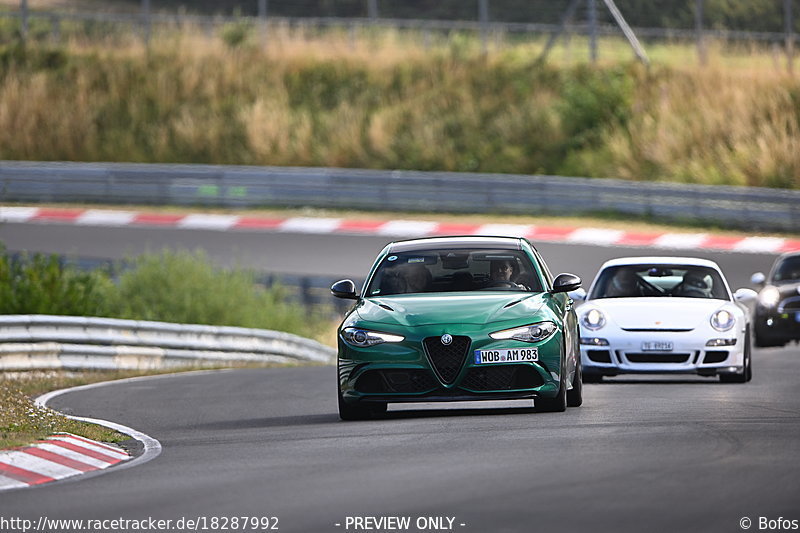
{"x": 458, "y": 319}
{"x": 777, "y": 315}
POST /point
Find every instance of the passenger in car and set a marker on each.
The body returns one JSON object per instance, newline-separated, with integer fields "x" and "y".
{"x": 694, "y": 285}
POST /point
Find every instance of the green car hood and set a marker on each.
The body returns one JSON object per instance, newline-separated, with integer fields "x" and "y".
{"x": 413, "y": 310}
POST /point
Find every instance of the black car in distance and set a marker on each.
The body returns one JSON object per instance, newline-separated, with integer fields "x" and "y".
{"x": 777, "y": 315}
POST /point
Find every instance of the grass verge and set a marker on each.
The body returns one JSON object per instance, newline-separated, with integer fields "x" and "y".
{"x": 385, "y": 101}
{"x": 23, "y": 422}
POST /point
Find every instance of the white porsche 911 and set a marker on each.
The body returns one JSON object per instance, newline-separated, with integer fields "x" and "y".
{"x": 665, "y": 315}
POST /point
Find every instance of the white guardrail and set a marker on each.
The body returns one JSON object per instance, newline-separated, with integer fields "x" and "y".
{"x": 30, "y": 342}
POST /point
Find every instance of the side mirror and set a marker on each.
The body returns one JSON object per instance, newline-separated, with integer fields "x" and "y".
{"x": 745, "y": 296}
{"x": 344, "y": 289}
{"x": 566, "y": 283}
{"x": 758, "y": 278}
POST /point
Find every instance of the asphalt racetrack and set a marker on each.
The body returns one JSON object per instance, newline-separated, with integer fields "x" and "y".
{"x": 642, "y": 454}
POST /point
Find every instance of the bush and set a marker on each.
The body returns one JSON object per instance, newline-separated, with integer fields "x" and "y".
{"x": 43, "y": 284}
{"x": 178, "y": 287}
{"x": 185, "y": 288}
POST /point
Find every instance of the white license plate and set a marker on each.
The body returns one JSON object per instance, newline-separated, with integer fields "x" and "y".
{"x": 658, "y": 346}
{"x": 506, "y": 356}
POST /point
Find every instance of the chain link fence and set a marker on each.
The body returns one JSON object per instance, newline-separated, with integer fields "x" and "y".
{"x": 772, "y": 22}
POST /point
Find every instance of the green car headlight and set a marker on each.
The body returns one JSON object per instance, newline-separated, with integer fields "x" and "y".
{"x": 364, "y": 338}
{"x": 530, "y": 333}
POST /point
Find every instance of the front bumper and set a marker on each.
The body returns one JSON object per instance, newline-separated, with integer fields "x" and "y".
{"x": 626, "y": 354}
{"x": 405, "y": 372}
{"x": 778, "y": 324}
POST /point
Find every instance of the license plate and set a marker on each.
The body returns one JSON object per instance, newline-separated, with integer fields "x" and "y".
{"x": 658, "y": 346}
{"x": 483, "y": 357}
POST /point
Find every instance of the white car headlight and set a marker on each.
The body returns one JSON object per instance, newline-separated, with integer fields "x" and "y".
{"x": 530, "y": 333}
{"x": 364, "y": 338}
{"x": 594, "y": 319}
{"x": 722, "y": 320}
{"x": 769, "y": 297}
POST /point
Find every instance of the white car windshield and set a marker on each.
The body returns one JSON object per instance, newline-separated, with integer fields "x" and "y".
{"x": 454, "y": 270}
{"x": 683, "y": 281}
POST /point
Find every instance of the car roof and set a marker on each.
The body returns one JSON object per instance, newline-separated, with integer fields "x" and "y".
{"x": 461, "y": 241}
{"x": 656, "y": 260}
{"x": 787, "y": 254}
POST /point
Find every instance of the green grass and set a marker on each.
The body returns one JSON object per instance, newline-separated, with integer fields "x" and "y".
{"x": 23, "y": 422}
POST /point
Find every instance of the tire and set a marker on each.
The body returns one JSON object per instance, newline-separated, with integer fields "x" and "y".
{"x": 557, "y": 404}
{"x": 747, "y": 371}
{"x": 575, "y": 394}
{"x": 349, "y": 411}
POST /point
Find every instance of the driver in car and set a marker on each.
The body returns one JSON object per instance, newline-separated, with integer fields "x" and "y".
{"x": 624, "y": 284}
{"x": 504, "y": 272}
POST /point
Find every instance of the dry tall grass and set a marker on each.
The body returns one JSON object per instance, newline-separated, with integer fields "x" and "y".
{"x": 397, "y": 100}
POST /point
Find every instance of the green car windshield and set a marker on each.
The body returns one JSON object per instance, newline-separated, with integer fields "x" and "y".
{"x": 454, "y": 270}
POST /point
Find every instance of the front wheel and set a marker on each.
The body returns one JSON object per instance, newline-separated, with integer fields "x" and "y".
{"x": 557, "y": 404}
{"x": 766, "y": 339}
{"x": 575, "y": 394}
{"x": 747, "y": 372}
{"x": 349, "y": 411}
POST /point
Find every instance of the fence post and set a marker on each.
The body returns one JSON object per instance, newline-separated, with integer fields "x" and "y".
{"x": 698, "y": 27}
{"x": 262, "y": 17}
{"x": 789, "y": 28}
{"x": 146, "y": 21}
{"x": 55, "y": 28}
{"x": 23, "y": 31}
{"x": 483, "y": 18}
{"x": 372, "y": 9}
{"x": 592, "y": 31}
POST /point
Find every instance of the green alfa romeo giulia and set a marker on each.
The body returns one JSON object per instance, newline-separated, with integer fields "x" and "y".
{"x": 458, "y": 319}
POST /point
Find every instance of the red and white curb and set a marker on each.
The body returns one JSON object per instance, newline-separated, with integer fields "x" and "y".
{"x": 64, "y": 455}
{"x": 399, "y": 229}
{"x": 60, "y": 456}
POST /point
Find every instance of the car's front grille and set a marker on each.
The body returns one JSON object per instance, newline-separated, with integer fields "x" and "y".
{"x": 502, "y": 377}
{"x": 657, "y": 357}
{"x": 715, "y": 356}
{"x": 599, "y": 356}
{"x": 399, "y": 381}
{"x": 447, "y": 359}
